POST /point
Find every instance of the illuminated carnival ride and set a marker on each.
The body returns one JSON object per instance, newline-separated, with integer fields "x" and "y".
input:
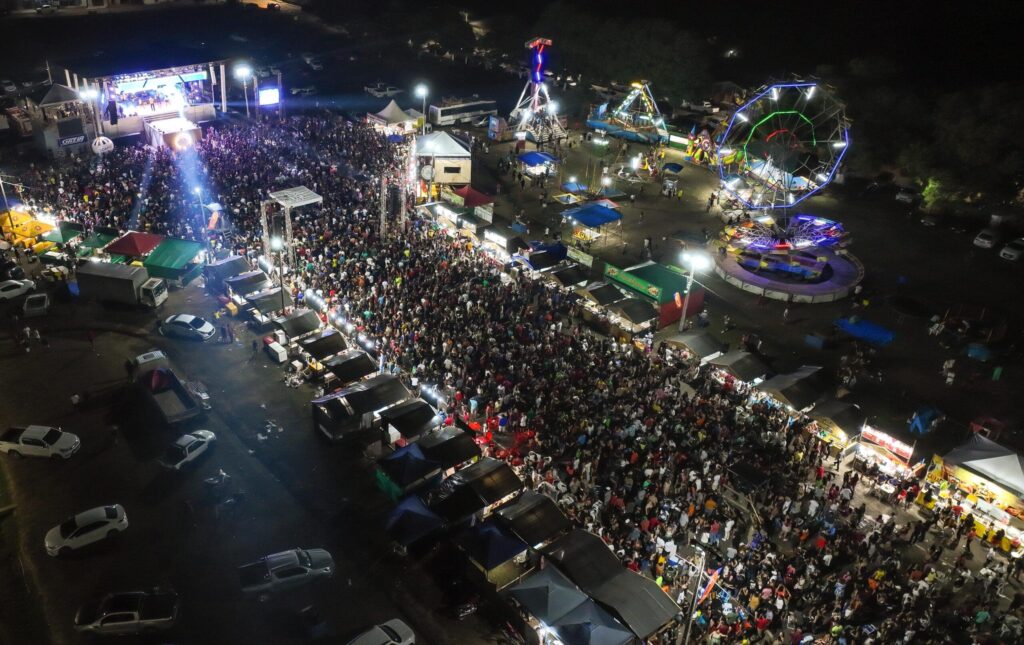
{"x": 636, "y": 118}
{"x": 535, "y": 116}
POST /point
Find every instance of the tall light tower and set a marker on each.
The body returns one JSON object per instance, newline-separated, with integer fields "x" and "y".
{"x": 535, "y": 114}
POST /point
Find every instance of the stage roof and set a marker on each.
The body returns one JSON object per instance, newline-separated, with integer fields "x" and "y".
{"x": 55, "y": 94}
{"x": 296, "y": 197}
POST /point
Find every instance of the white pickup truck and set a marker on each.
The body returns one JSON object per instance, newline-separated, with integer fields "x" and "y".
{"x": 130, "y": 612}
{"x": 39, "y": 441}
{"x": 285, "y": 570}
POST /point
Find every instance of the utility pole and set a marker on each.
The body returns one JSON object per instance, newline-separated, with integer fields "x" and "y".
{"x": 280, "y": 96}
{"x": 696, "y": 590}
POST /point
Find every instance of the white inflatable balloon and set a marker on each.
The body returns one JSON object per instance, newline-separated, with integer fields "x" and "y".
{"x": 102, "y": 145}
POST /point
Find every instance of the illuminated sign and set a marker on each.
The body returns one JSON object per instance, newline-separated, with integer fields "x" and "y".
{"x": 71, "y": 141}
{"x": 497, "y": 238}
{"x": 898, "y": 448}
{"x": 270, "y": 96}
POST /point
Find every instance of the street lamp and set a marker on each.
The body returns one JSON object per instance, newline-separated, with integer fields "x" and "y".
{"x": 243, "y": 73}
{"x": 277, "y": 245}
{"x": 694, "y": 262}
{"x": 421, "y": 92}
{"x": 89, "y": 95}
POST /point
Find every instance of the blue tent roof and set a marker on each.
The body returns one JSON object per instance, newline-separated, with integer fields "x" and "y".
{"x": 593, "y": 215}
{"x": 489, "y": 545}
{"x": 672, "y": 167}
{"x": 866, "y": 330}
{"x": 611, "y": 192}
{"x": 574, "y": 187}
{"x": 412, "y": 520}
{"x": 588, "y": 624}
{"x": 408, "y": 465}
{"x": 536, "y": 158}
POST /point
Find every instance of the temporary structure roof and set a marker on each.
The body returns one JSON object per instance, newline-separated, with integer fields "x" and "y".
{"x": 408, "y": 465}
{"x": 548, "y": 595}
{"x": 593, "y": 215}
{"x": 742, "y": 365}
{"x": 489, "y": 545}
{"x": 603, "y": 294}
{"x": 472, "y": 197}
{"x": 296, "y": 197}
{"x": 440, "y": 144}
{"x": 992, "y": 461}
{"x": 327, "y": 343}
{"x": 225, "y": 268}
{"x": 537, "y": 158}
{"x": 588, "y": 624}
{"x": 635, "y": 310}
{"x": 301, "y": 322}
{"x": 474, "y": 488}
{"x": 569, "y": 276}
{"x": 702, "y": 344}
{"x": 638, "y": 601}
{"x": 97, "y": 241}
{"x": 848, "y": 417}
{"x": 799, "y": 390}
{"x": 412, "y": 418}
{"x": 135, "y": 244}
{"x": 534, "y": 518}
{"x": 351, "y": 365}
{"x": 392, "y": 114}
{"x": 171, "y": 256}
{"x": 269, "y": 301}
{"x": 585, "y": 558}
{"x": 450, "y": 446}
{"x": 55, "y": 94}
{"x": 248, "y": 282}
{"x": 64, "y": 233}
{"x": 411, "y": 520}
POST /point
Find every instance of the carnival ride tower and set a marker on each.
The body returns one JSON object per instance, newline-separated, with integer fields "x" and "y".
{"x": 535, "y": 113}
{"x": 639, "y": 113}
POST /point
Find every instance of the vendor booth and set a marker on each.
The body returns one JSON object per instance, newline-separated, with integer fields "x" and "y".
{"x": 243, "y": 284}
{"x": 317, "y": 348}
{"x": 134, "y": 244}
{"x": 588, "y": 220}
{"x": 663, "y": 286}
{"x": 452, "y": 447}
{"x": 299, "y": 324}
{"x": 177, "y": 261}
{"x": 474, "y": 490}
{"x": 540, "y": 259}
{"x": 408, "y": 420}
{"x": 95, "y": 243}
{"x": 405, "y": 470}
{"x": 262, "y": 305}
{"x": 738, "y": 365}
{"x": 411, "y": 521}
{"x": 631, "y": 316}
{"x": 534, "y": 518}
{"x": 835, "y": 422}
{"x": 570, "y": 276}
{"x": 797, "y": 390}
{"x": 348, "y": 367}
{"x": 502, "y": 241}
{"x": 477, "y": 203}
{"x": 893, "y": 457}
{"x": 496, "y": 557}
{"x": 219, "y": 271}
{"x": 537, "y": 163}
{"x": 393, "y": 120}
{"x": 698, "y": 346}
{"x": 357, "y": 407}
{"x": 546, "y": 595}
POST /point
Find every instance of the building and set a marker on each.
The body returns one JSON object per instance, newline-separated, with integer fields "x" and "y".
{"x": 443, "y": 159}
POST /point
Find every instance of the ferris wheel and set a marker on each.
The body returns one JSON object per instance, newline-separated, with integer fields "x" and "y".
{"x": 783, "y": 145}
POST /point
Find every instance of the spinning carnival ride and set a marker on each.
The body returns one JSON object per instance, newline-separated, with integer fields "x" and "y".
{"x": 795, "y": 248}
{"x": 637, "y": 118}
{"x": 535, "y": 114}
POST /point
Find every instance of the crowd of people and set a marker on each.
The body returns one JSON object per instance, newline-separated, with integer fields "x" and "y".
{"x": 642, "y": 448}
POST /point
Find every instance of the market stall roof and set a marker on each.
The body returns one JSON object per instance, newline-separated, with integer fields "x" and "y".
{"x": 299, "y": 323}
{"x": 97, "y": 241}
{"x": 602, "y": 293}
{"x": 440, "y": 144}
{"x": 393, "y": 115}
{"x": 604, "y": 201}
{"x": 798, "y": 389}
{"x": 296, "y": 197}
{"x": 700, "y": 343}
{"x": 474, "y": 488}
{"x": 408, "y": 465}
{"x": 635, "y": 310}
{"x": 574, "y": 187}
{"x": 411, "y": 520}
{"x": 172, "y": 255}
{"x": 585, "y": 558}
{"x": 472, "y": 198}
{"x": 412, "y": 418}
{"x": 538, "y": 260}
{"x": 537, "y": 158}
{"x": 636, "y": 600}
{"x": 327, "y": 343}
{"x": 865, "y": 330}
{"x": 55, "y": 94}
{"x": 350, "y": 366}
{"x": 994, "y": 462}
{"x": 363, "y": 397}
{"x": 570, "y": 276}
{"x": 848, "y": 417}
{"x": 588, "y": 624}
{"x": 611, "y": 192}
{"x": 548, "y": 595}
{"x": 450, "y": 446}
{"x": 64, "y": 233}
{"x": 742, "y": 365}
{"x": 249, "y": 282}
{"x": 534, "y": 517}
{"x": 672, "y": 167}
{"x": 134, "y": 244}
{"x": 225, "y": 268}
{"x": 592, "y": 215}
{"x": 269, "y": 301}
{"x": 489, "y": 544}
{"x": 670, "y": 280}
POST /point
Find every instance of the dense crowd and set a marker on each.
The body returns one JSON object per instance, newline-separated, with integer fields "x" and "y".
{"x": 644, "y": 449}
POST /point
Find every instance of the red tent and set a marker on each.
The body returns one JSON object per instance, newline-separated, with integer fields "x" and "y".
{"x": 134, "y": 244}
{"x": 472, "y": 198}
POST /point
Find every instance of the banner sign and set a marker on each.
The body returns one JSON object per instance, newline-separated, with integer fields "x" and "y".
{"x": 71, "y": 141}
{"x": 633, "y": 282}
{"x": 585, "y": 259}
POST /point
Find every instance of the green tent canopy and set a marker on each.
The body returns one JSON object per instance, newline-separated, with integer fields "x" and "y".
{"x": 66, "y": 232}
{"x": 97, "y": 241}
{"x": 172, "y": 258}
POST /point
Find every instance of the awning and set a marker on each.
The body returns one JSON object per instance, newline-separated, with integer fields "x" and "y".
{"x": 301, "y": 322}
{"x": 536, "y": 158}
{"x": 489, "y": 545}
{"x": 350, "y": 366}
{"x": 228, "y": 267}
{"x": 411, "y": 418}
{"x": 63, "y": 234}
{"x": 592, "y": 215}
{"x": 548, "y": 595}
{"x": 700, "y": 343}
{"x": 270, "y": 300}
{"x": 534, "y": 517}
{"x": 585, "y": 558}
{"x": 741, "y": 365}
{"x": 799, "y": 390}
{"x": 637, "y": 601}
{"x": 474, "y": 488}
{"x": 998, "y": 464}
{"x": 135, "y": 244}
{"x": 846, "y": 416}
{"x": 450, "y": 446}
{"x": 570, "y": 276}
{"x": 327, "y": 343}
{"x": 588, "y": 624}
{"x": 635, "y": 310}
{"x": 603, "y": 294}
{"x": 411, "y": 520}
{"x": 408, "y": 465}
{"x": 247, "y": 283}
{"x": 171, "y": 256}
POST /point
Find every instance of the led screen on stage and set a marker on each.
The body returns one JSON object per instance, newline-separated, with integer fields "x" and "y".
{"x": 270, "y": 96}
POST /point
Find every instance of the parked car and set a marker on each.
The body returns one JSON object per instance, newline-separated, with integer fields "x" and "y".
{"x": 47, "y": 8}
{"x": 86, "y": 528}
{"x": 316, "y": 65}
{"x": 187, "y": 448}
{"x": 187, "y": 326}
{"x": 8, "y": 87}
{"x": 129, "y": 612}
{"x": 10, "y": 289}
{"x": 1013, "y": 250}
{"x": 285, "y": 570}
{"x": 986, "y": 239}
{"x": 9, "y": 269}
{"x": 308, "y": 90}
{"x": 906, "y": 196}
{"x": 393, "y": 632}
{"x": 378, "y": 89}
{"x": 931, "y": 219}
{"x": 39, "y": 441}
{"x": 36, "y": 305}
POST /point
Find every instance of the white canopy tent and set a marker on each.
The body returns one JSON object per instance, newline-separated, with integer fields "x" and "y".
{"x": 992, "y": 461}
{"x": 392, "y": 117}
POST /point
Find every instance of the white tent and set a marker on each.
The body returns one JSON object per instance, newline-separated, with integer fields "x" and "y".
{"x": 391, "y": 115}
{"x": 440, "y": 144}
{"x": 998, "y": 464}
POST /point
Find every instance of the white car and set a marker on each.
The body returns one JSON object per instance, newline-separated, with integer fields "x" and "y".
{"x": 316, "y": 65}
{"x": 86, "y": 528}
{"x": 39, "y": 441}
{"x": 187, "y": 326}
{"x": 187, "y": 448}
{"x": 986, "y": 239}
{"x": 393, "y": 632}
{"x": 1013, "y": 250}
{"x": 309, "y": 90}
{"x": 10, "y": 289}
{"x": 906, "y": 196}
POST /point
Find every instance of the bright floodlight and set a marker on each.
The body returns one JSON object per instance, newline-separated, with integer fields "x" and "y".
{"x": 572, "y": 180}
{"x": 197, "y": 190}
{"x": 421, "y": 91}
{"x": 243, "y": 72}
{"x": 276, "y": 243}
{"x": 553, "y": 107}
{"x": 88, "y": 94}
{"x": 606, "y": 181}
{"x": 696, "y": 261}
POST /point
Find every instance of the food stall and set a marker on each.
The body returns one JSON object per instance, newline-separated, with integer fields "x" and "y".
{"x": 835, "y": 421}
{"x": 262, "y": 305}
{"x": 299, "y": 324}
{"x": 664, "y": 286}
{"x": 892, "y": 457}
{"x": 537, "y": 163}
{"x": 348, "y": 367}
{"x": 738, "y": 366}
{"x": 177, "y": 261}
{"x": 95, "y": 243}
{"x": 450, "y": 446}
{"x": 495, "y": 558}
{"x": 570, "y": 276}
{"x": 357, "y": 408}
{"x": 697, "y": 346}
{"x": 134, "y": 245}
{"x": 797, "y": 390}
{"x": 588, "y": 220}
{"x": 219, "y": 271}
{"x": 534, "y": 518}
{"x": 408, "y": 420}
{"x": 500, "y": 241}
{"x": 631, "y": 316}
{"x": 317, "y": 348}
{"x": 474, "y": 491}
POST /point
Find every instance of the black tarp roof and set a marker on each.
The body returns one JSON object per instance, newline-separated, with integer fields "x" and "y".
{"x": 489, "y": 544}
{"x": 351, "y": 366}
{"x": 701, "y": 343}
{"x": 450, "y": 446}
{"x": 534, "y": 518}
{"x": 589, "y": 624}
{"x": 412, "y": 418}
{"x": 798, "y": 389}
{"x": 585, "y": 558}
{"x": 548, "y": 595}
{"x": 637, "y": 601}
{"x": 248, "y": 282}
{"x": 634, "y": 310}
{"x": 848, "y": 417}
{"x": 411, "y": 520}
{"x": 541, "y": 260}
{"x": 473, "y": 488}
{"x": 604, "y": 294}
{"x": 365, "y": 396}
{"x": 302, "y": 321}
{"x": 742, "y": 365}
{"x": 327, "y": 343}
{"x": 269, "y": 300}
{"x": 570, "y": 276}
{"x": 408, "y": 465}
{"x": 228, "y": 267}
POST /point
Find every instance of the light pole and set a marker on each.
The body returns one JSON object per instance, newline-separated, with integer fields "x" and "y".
{"x": 696, "y": 590}
{"x": 242, "y": 73}
{"x": 277, "y": 245}
{"x": 694, "y": 262}
{"x": 202, "y": 217}
{"x": 421, "y": 92}
{"x": 90, "y": 95}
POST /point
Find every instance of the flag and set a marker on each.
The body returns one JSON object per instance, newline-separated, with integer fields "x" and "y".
{"x": 712, "y": 579}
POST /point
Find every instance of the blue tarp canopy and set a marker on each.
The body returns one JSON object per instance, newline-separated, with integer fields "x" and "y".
{"x": 411, "y": 520}
{"x": 672, "y": 167}
{"x": 489, "y": 545}
{"x": 979, "y": 352}
{"x": 548, "y": 595}
{"x": 408, "y": 465}
{"x": 395, "y": 138}
{"x": 588, "y": 624}
{"x": 537, "y": 158}
{"x": 593, "y": 215}
{"x": 866, "y": 330}
{"x": 611, "y": 192}
{"x": 574, "y": 187}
